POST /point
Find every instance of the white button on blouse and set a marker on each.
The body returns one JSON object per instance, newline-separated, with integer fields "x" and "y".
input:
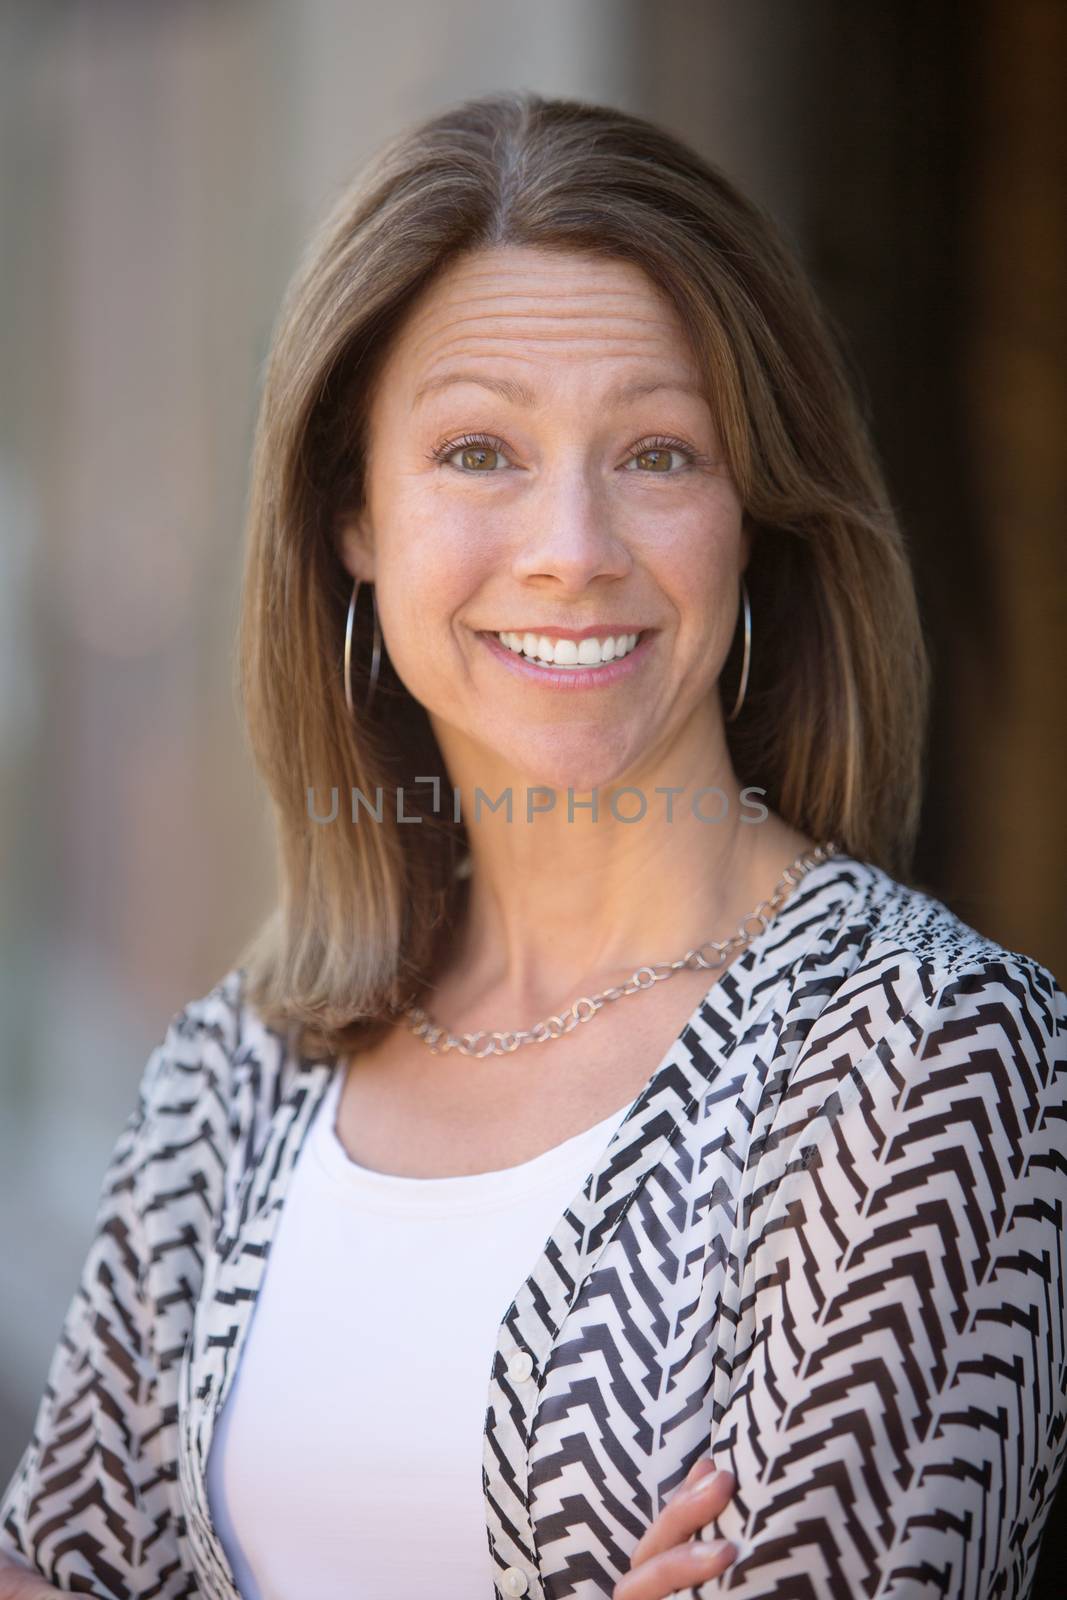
{"x": 514, "y": 1581}
{"x": 520, "y": 1367}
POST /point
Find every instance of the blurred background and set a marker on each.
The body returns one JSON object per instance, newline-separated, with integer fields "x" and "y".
{"x": 161, "y": 167}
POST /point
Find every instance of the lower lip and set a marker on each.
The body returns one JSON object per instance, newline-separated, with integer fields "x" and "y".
{"x": 570, "y": 677}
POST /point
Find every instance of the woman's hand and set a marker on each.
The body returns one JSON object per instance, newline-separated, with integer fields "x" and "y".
{"x": 667, "y": 1557}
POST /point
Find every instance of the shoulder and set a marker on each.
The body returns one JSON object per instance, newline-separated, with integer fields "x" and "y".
{"x": 908, "y": 1032}
{"x": 898, "y": 999}
{"x": 894, "y": 954}
{"x": 206, "y": 1097}
{"x": 192, "y": 1066}
{"x": 212, "y": 1046}
{"x": 207, "y": 1101}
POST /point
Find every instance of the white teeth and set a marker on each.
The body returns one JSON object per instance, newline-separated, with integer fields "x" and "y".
{"x": 589, "y": 652}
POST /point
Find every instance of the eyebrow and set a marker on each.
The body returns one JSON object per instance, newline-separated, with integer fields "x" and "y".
{"x": 519, "y": 394}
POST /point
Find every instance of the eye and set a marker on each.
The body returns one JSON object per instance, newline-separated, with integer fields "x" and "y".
{"x": 479, "y": 454}
{"x": 482, "y": 454}
{"x": 654, "y": 455}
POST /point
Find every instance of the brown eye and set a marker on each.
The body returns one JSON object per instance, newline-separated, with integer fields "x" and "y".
{"x": 474, "y": 454}
{"x": 478, "y": 458}
{"x": 656, "y": 455}
{"x": 656, "y": 460}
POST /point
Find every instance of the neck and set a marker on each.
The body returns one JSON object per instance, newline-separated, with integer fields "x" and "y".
{"x": 566, "y": 905}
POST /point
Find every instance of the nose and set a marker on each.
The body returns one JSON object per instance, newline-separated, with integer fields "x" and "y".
{"x": 568, "y": 536}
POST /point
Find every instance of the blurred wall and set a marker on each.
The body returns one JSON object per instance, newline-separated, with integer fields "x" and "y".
{"x": 938, "y": 236}
{"x": 161, "y": 167}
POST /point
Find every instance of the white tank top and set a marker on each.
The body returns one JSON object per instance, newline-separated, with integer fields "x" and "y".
{"x": 347, "y": 1460}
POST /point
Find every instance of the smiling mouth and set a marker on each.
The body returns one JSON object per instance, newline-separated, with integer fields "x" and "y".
{"x": 544, "y": 650}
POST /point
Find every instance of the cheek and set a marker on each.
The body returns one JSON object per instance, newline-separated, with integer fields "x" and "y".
{"x": 433, "y": 565}
{"x": 695, "y": 564}
{"x": 697, "y": 554}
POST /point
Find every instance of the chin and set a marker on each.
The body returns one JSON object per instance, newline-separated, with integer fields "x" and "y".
{"x": 578, "y": 769}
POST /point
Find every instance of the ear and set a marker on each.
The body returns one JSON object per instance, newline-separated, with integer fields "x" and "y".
{"x": 355, "y": 545}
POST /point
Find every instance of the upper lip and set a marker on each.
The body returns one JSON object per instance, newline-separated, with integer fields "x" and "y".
{"x": 606, "y": 630}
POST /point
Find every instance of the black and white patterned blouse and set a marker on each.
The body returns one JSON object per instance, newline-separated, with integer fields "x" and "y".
{"x": 825, "y": 1247}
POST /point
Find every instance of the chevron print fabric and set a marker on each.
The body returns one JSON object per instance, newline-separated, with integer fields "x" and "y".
{"x": 826, "y": 1246}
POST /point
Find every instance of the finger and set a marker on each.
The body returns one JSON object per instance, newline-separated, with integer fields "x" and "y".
{"x": 681, "y": 1568}
{"x": 700, "y": 1469}
{"x": 691, "y": 1508}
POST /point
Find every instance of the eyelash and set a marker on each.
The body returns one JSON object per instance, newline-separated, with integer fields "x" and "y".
{"x": 487, "y": 441}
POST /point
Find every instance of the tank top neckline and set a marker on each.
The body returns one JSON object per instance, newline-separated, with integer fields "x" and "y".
{"x": 470, "y": 1191}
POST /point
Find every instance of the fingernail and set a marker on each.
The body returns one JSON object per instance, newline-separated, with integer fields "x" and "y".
{"x": 714, "y": 1480}
{"x": 707, "y": 1555}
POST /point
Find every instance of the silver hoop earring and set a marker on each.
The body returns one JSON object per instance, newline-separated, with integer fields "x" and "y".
{"x": 747, "y": 658}
{"x": 376, "y": 654}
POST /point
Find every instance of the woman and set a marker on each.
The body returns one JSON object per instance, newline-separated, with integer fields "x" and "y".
{"x": 581, "y": 659}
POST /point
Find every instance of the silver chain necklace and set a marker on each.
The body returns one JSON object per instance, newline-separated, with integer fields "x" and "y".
{"x": 585, "y": 1009}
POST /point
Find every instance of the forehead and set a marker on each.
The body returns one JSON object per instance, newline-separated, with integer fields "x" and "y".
{"x": 536, "y": 307}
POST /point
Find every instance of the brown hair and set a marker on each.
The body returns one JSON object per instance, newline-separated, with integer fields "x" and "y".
{"x": 833, "y": 724}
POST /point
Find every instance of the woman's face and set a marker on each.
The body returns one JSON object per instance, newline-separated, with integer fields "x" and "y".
{"x": 542, "y": 463}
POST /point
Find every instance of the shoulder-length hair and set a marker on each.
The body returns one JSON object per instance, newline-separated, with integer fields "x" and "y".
{"x": 833, "y": 723}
